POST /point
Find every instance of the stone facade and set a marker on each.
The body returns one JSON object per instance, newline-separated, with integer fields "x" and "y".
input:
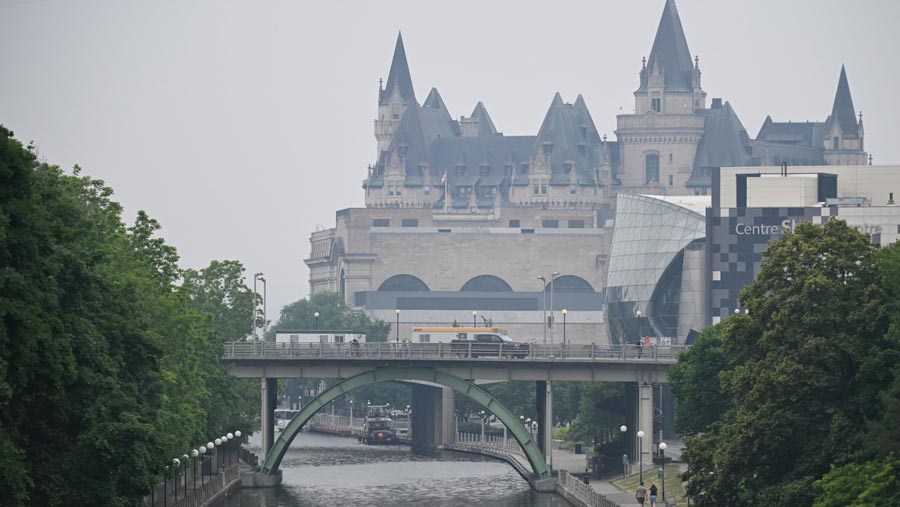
{"x": 453, "y": 204}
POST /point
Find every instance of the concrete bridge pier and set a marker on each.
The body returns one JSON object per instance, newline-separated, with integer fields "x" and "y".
{"x": 640, "y": 418}
{"x": 544, "y": 398}
{"x": 269, "y": 399}
{"x": 433, "y": 417}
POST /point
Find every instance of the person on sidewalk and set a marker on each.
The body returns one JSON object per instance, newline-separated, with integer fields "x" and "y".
{"x": 641, "y": 494}
{"x": 653, "y": 495}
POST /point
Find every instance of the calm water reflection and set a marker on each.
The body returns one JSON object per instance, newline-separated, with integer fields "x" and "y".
{"x": 322, "y": 470}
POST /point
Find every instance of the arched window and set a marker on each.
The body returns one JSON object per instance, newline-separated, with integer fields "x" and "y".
{"x": 486, "y": 283}
{"x": 403, "y": 283}
{"x": 570, "y": 283}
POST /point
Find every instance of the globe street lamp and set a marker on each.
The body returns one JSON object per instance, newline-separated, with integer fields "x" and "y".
{"x": 624, "y": 429}
{"x": 544, "y": 298}
{"x": 175, "y": 464}
{"x": 397, "y": 311}
{"x": 194, "y": 454}
{"x": 640, "y": 435}
{"x": 202, "y": 451}
{"x": 662, "y": 471}
{"x": 474, "y": 314}
{"x": 482, "y": 425}
{"x": 351, "y": 415}
{"x": 564, "y": 312}
{"x": 316, "y": 315}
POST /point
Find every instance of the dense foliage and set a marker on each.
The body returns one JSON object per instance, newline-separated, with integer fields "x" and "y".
{"x": 108, "y": 368}
{"x": 802, "y": 377}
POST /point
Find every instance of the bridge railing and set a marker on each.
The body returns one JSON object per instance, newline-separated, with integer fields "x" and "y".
{"x": 452, "y": 351}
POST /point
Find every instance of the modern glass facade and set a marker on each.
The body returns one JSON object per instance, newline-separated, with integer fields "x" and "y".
{"x": 646, "y": 265}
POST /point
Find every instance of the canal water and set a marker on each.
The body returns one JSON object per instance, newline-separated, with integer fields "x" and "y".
{"x": 325, "y": 471}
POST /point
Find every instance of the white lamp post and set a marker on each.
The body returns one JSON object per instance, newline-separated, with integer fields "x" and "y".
{"x": 624, "y": 429}
{"x": 640, "y": 435}
{"x": 662, "y": 453}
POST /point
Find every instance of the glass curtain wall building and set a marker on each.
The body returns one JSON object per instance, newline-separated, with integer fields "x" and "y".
{"x": 656, "y": 277}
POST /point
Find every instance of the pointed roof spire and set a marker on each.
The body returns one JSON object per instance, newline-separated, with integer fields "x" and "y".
{"x": 843, "y": 112}
{"x": 670, "y": 52}
{"x": 485, "y": 124}
{"x": 399, "y": 75}
{"x": 434, "y": 101}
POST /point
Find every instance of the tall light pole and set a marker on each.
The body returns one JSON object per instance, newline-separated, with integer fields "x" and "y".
{"x": 564, "y": 312}
{"x": 640, "y": 435}
{"x": 397, "y": 311}
{"x": 662, "y": 454}
{"x": 316, "y": 315}
{"x": 623, "y": 429}
{"x": 351, "y": 415}
{"x": 482, "y": 425}
{"x": 544, "y": 299}
{"x": 263, "y": 280}
{"x": 474, "y": 314}
{"x": 255, "y": 306}
{"x": 553, "y": 276}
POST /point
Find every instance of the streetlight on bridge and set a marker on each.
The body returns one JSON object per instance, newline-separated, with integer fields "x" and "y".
{"x": 564, "y": 312}
{"x": 397, "y": 312}
{"x": 253, "y": 315}
{"x": 553, "y": 276}
{"x": 544, "y": 299}
{"x": 316, "y": 315}
{"x": 474, "y": 314}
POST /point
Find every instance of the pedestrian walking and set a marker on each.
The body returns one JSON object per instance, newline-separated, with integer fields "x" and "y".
{"x": 653, "y": 495}
{"x": 641, "y": 494}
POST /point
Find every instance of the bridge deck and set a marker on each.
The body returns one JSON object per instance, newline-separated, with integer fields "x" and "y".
{"x": 258, "y": 359}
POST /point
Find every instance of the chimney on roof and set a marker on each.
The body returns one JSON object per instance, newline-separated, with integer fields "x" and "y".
{"x": 716, "y": 103}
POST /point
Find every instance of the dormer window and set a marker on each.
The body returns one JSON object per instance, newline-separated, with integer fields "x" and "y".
{"x": 484, "y": 169}
{"x": 582, "y": 149}
{"x": 403, "y": 149}
{"x": 584, "y": 131}
{"x": 567, "y": 166}
{"x": 508, "y": 169}
{"x": 656, "y": 104}
{"x": 460, "y": 170}
{"x": 523, "y": 169}
{"x": 548, "y": 147}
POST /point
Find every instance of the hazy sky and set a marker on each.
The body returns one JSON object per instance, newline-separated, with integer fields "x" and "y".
{"x": 242, "y": 126}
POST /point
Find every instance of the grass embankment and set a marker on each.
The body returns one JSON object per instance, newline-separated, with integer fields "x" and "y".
{"x": 673, "y": 483}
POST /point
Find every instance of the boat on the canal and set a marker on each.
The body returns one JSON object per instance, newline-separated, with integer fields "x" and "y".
{"x": 377, "y": 429}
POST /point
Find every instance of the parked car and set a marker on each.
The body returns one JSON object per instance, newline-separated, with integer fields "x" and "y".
{"x": 488, "y": 345}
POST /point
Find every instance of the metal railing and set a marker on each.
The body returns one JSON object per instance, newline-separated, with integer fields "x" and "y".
{"x": 453, "y": 351}
{"x": 579, "y": 493}
{"x": 489, "y": 441}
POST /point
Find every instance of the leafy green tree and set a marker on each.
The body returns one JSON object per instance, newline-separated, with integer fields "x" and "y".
{"x": 817, "y": 310}
{"x": 78, "y": 375}
{"x": 333, "y": 314}
{"x": 875, "y": 482}
{"x": 219, "y": 290}
{"x": 694, "y": 381}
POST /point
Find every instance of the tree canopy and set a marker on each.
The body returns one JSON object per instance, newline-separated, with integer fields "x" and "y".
{"x": 107, "y": 369}
{"x": 801, "y": 375}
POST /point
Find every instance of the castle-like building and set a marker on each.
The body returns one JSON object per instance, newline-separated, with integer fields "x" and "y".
{"x": 667, "y": 147}
{"x": 460, "y": 218}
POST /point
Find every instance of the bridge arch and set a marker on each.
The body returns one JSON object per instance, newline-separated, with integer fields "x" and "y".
{"x": 476, "y": 393}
